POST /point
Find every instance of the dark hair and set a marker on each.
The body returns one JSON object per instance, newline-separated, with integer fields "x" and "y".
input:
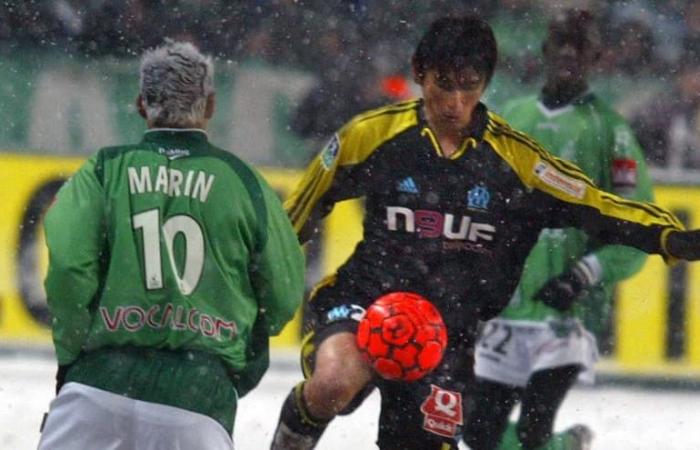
{"x": 576, "y": 25}
{"x": 453, "y": 44}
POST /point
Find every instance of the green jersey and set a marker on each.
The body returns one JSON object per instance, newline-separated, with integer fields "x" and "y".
{"x": 597, "y": 139}
{"x": 171, "y": 250}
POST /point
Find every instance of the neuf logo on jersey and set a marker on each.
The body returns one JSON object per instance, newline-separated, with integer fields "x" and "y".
{"x": 433, "y": 224}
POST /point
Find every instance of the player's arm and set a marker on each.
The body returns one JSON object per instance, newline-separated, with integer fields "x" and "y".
{"x": 76, "y": 239}
{"x": 277, "y": 276}
{"x": 607, "y": 264}
{"x": 278, "y": 266}
{"x": 334, "y": 175}
{"x": 561, "y": 195}
{"x": 630, "y": 179}
{"x": 573, "y": 200}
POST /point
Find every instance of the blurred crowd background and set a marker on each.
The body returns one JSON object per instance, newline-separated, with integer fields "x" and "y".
{"x": 355, "y": 54}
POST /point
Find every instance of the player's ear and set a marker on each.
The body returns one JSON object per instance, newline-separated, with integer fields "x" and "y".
{"x": 140, "y": 107}
{"x": 418, "y": 75}
{"x": 210, "y": 106}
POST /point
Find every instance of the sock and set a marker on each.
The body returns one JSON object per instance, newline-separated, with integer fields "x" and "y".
{"x": 297, "y": 428}
{"x": 510, "y": 441}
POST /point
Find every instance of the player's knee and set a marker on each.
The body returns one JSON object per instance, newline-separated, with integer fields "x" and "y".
{"x": 334, "y": 389}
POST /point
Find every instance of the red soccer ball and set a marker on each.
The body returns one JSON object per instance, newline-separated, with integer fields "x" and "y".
{"x": 402, "y": 336}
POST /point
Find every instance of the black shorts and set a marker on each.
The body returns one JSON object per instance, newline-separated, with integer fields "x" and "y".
{"x": 422, "y": 415}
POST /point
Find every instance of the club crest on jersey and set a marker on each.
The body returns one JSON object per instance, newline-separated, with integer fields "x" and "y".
{"x": 478, "y": 197}
{"x": 554, "y": 178}
{"x": 330, "y": 152}
{"x": 442, "y": 411}
{"x": 407, "y": 185}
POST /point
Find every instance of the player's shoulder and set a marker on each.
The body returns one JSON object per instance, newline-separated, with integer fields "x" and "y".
{"x": 506, "y": 140}
{"x": 498, "y": 126}
{"x": 114, "y": 151}
{"x": 366, "y": 132}
{"x": 238, "y": 167}
{"x": 526, "y": 102}
{"x": 387, "y": 120}
{"x": 601, "y": 107}
{"x": 104, "y": 156}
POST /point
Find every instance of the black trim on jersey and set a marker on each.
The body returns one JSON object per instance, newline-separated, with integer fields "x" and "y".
{"x": 99, "y": 168}
{"x": 392, "y": 109}
{"x": 300, "y": 206}
{"x": 252, "y": 185}
{"x": 560, "y": 164}
{"x": 648, "y": 207}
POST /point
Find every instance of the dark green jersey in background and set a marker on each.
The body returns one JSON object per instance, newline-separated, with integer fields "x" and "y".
{"x": 170, "y": 244}
{"x": 596, "y": 138}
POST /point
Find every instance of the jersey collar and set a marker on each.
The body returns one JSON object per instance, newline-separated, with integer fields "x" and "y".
{"x": 474, "y": 132}
{"x": 184, "y": 135}
{"x": 584, "y": 98}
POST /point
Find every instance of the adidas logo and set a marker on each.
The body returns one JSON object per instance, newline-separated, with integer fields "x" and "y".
{"x": 407, "y": 185}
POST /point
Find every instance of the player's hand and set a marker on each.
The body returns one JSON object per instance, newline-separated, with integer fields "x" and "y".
{"x": 684, "y": 244}
{"x": 561, "y": 292}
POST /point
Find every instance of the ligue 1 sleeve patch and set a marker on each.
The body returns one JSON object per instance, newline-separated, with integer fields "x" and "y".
{"x": 442, "y": 411}
{"x": 554, "y": 178}
{"x": 330, "y": 152}
{"x": 624, "y": 173}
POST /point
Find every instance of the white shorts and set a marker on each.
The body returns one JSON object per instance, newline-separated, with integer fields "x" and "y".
{"x": 85, "y": 417}
{"x": 510, "y": 351}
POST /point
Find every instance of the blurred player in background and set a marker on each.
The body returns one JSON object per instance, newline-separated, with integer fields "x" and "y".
{"x": 540, "y": 344}
{"x": 454, "y": 201}
{"x": 170, "y": 263}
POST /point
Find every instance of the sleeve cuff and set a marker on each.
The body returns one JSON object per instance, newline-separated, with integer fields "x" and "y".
{"x": 668, "y": 257}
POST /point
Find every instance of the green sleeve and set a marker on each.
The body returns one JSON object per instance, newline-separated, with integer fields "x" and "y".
{"x": 258, "y": 359}
{"x": 620, "y": 262}
{"x": 278, "y": 278}
{"x": 75, "y": 236}
{"x": 278, "y": 272}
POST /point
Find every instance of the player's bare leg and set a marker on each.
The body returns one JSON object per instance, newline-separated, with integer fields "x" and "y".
{"x": 340, "y": 373}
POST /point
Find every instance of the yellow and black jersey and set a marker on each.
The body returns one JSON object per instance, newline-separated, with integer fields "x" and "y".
{"x": 456, "y": 229}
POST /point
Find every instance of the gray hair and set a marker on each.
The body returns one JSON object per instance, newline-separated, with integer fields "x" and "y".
{"x": 176, "y": 80}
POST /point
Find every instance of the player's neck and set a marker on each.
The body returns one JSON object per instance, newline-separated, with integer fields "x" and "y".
{"x": 199, "y": 125}
{"x": 449, "y": 136}
{"x": 557, "y": 95}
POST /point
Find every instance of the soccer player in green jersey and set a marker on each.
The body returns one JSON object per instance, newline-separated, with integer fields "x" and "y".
{"x": 171, "y": 262}
{"x": 539, "y": 346}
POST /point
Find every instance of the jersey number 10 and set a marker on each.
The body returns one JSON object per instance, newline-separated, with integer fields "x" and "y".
{"x": 149, "y": 223}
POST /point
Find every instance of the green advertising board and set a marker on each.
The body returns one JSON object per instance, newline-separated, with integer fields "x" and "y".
{"x": 63, "y": 105}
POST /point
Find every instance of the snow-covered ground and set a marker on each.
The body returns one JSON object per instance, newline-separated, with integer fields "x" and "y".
{"x": 623, "y": 419}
